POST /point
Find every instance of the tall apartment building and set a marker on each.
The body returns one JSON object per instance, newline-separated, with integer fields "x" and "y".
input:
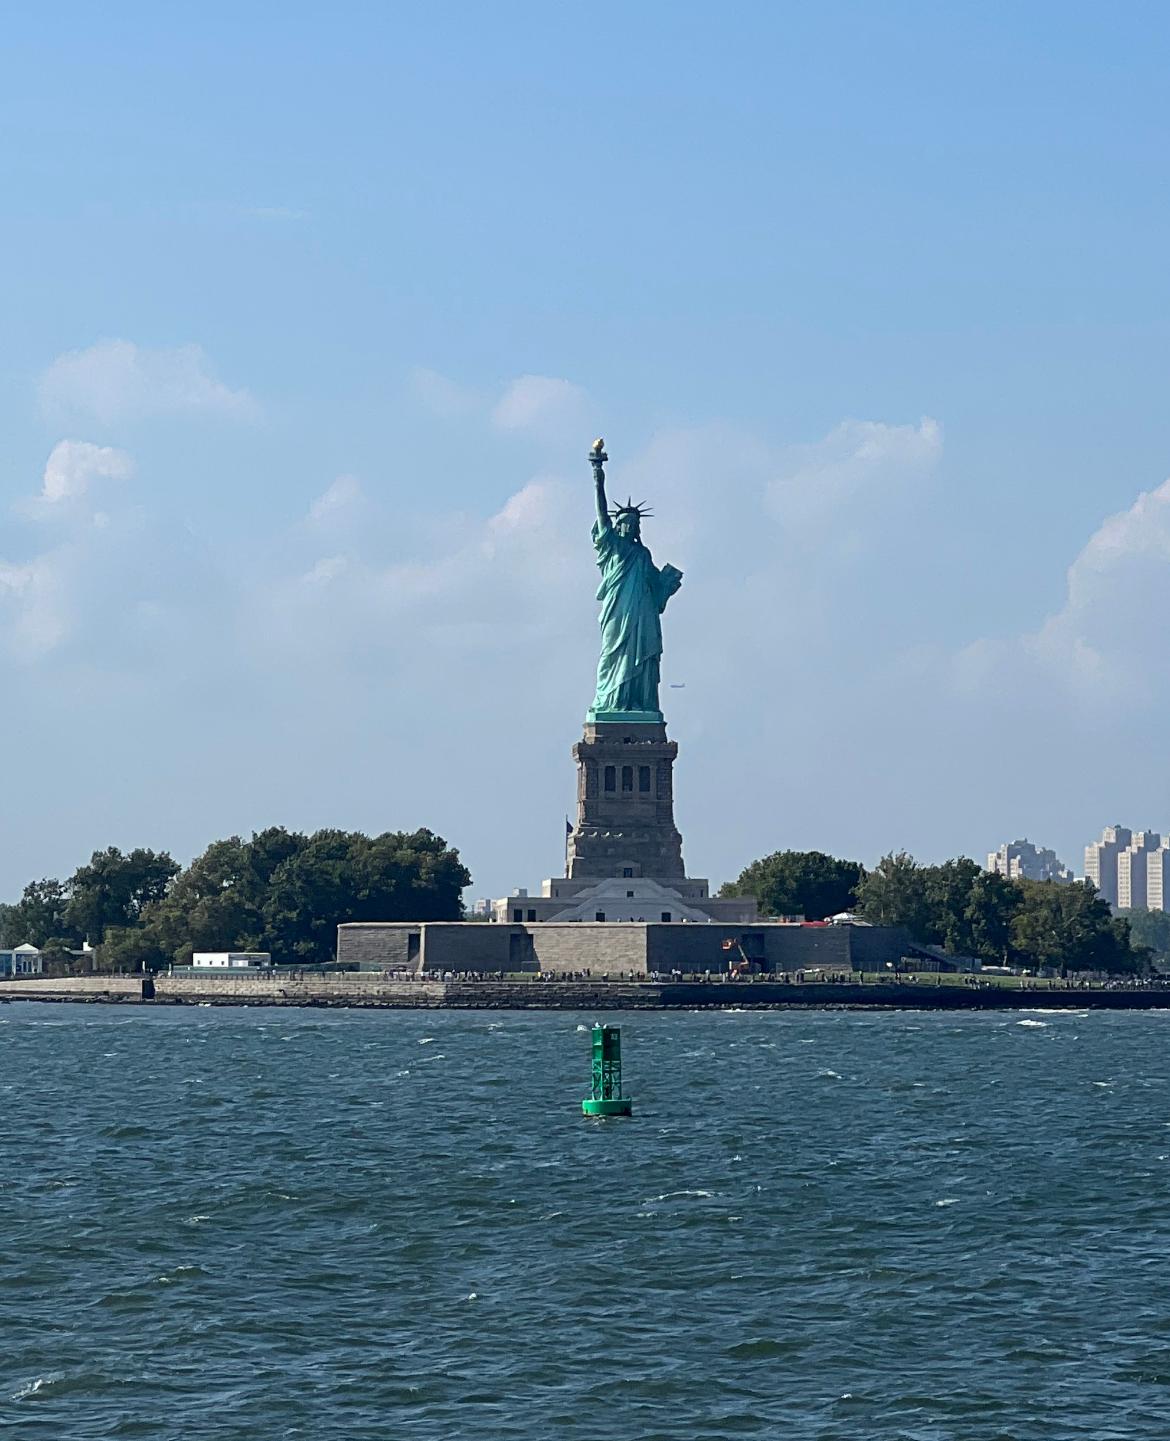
{"x": 1101, "y": 860}
{"x": 1158, "y": 878}
{"x": 1021, "y": 860}
{"x": 1133, "y": 870}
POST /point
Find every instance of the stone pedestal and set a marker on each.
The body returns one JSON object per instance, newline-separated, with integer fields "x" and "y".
{"x": 625, "y": 804}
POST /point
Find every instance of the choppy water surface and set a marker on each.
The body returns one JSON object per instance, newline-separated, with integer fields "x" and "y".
{"x": 347, "y": 1225}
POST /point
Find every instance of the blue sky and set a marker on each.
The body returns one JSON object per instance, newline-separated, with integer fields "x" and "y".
{"x": 311, "y": 313}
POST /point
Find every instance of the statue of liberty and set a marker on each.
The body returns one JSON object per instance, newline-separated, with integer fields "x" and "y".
{"x": 633, "y": 594}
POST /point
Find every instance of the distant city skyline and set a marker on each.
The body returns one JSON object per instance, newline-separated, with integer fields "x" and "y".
{"x": 1130, "y": 868}
{"x": 1022, "y": 860}
{"x": 309, "y": 328}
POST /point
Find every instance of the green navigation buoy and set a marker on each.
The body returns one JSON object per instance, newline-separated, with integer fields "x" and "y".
{"x": 606, "y": 1098}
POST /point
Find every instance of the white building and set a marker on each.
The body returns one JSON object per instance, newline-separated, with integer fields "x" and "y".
{"x": 21, "y": 961}
{"x": 1133, "y": 870}
{"x": 230, "y": 960}
{"x": 624, "y": 898}
{"x": 1158, "y": 878}
{"x": 1021, "y": 860}
{"x": 1130, "y": 868}
{"x": 1101, "y": 860}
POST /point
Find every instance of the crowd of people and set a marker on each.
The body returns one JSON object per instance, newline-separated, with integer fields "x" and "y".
{"x": 793, "y": 978}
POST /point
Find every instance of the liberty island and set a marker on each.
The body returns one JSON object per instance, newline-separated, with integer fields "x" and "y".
{"x": 625, "y": 925}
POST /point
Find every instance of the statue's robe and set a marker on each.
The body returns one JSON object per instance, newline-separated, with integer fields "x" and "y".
{"x": 633, "y": 594}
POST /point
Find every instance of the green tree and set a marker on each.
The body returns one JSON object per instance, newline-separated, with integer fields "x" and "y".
{"x": 992, "y": 903}
{"x": 1151, "y": 930}
{"x": 894, "y": 894}
{"x": 286, "y": 893}
{"x": 799, "y": 883}
{"x": 1068, "y": 927}
{"x": 947, "y": 892}
{"x": 113, "y": 889}
{"x": 41, "y": 912}
{"x": 130, "y": 948}
{"x": 216, "y": 903}
{"x": 344, "y": 876}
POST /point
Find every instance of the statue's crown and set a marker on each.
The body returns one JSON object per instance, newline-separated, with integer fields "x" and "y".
{"x": 640, "y": 509}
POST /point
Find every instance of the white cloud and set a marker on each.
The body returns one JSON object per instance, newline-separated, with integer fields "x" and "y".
{"x": 820, "y": 695}
{"x": 543, "y": 403}
{"x": 1108, "y": 638}
{"x": 328, "y": 568}
{"x": 337, "y": 499}
{"x": 116, "y": 380}
{"x": 448, "y": 586}
{"x": 858, "y": 459}
{"x": 540, "y": 406}
{"x": 35, "y": 596}
{"x": 74, "y": 464}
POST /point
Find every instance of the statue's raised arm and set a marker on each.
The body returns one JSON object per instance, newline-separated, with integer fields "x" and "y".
{"x": 597, "y": 459}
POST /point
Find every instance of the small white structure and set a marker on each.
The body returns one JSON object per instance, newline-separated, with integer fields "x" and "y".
{"x": 230, "y": 960}
{"x": 21, "y": 961}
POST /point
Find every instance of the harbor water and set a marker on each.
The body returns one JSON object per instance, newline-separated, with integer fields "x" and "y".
{"x": 251, "y": 1225}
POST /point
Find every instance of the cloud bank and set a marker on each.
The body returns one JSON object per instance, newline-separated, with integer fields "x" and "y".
{"x": 116, "y": 380}
{"x": 435, "y": 665}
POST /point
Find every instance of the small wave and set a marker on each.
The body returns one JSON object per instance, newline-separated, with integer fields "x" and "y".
{"x": 835, "y": 1075}
{"x": 180, "y": 1273}
{"x": 426, "y": 1040}
{"x": 195, "y": 1220}
{"x": 34, "y": 1388}
{"x": 1105, "y": 1085}
{"x": 472, "y": 1296}
{"x": 1039, "y": 1025}
{"x": 675, "y": 1196}
{"x": 583, "y": 1028}
{"x": 763, "y": 1348}
{"x": 948, "y": 1201}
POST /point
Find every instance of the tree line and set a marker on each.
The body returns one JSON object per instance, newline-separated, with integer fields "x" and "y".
{"x": 958, "y": 906}
{"x": 281, "y": 891}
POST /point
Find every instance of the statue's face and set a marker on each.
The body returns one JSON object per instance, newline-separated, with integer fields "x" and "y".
{"x": 629, "y": 526}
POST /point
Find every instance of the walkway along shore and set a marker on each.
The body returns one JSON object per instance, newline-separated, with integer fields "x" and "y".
{"x": 363, "y": 990}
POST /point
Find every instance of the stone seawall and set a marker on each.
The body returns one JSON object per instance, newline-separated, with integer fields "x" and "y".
{"x": 72, "y": 988}
{"x": 363, "y": 989}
